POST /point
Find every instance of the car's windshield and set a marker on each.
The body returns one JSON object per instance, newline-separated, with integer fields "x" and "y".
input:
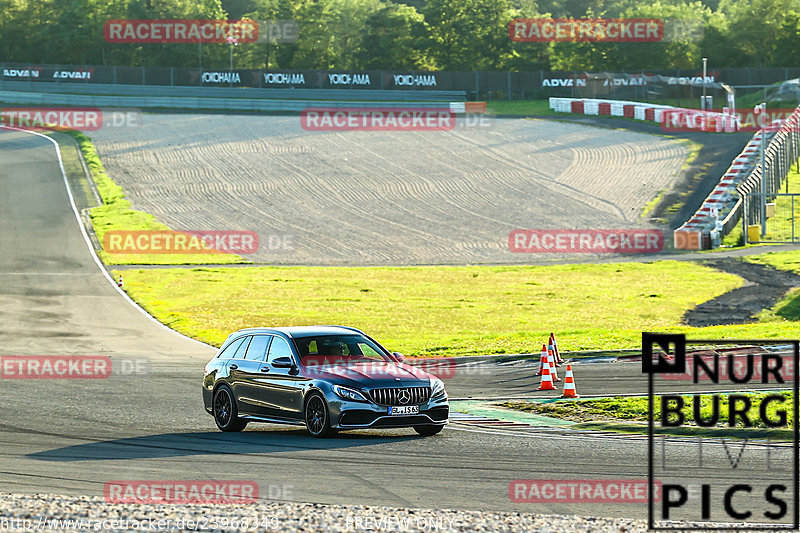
{"x": 348, "y": 347}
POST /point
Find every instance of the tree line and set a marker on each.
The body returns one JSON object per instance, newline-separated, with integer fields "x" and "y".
{"x": 454, "y": 35}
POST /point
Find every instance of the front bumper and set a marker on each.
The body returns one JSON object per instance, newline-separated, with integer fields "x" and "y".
{"x": 347, "y": 414}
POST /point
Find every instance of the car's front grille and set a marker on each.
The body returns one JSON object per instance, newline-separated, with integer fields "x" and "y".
{"x": 401, "y": 396}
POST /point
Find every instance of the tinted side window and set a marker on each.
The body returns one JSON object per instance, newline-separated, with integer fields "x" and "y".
{"x": 228, "y": 352}
{"x": 257, "y": 350}
{"x": 279, "y": 348}
{"x": 242, "y": 348}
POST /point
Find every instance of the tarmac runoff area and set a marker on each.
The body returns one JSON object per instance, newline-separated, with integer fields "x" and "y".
{"x": 387, "y": 198}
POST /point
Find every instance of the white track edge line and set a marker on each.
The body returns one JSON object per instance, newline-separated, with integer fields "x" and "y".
{"x": 89, "y": 242}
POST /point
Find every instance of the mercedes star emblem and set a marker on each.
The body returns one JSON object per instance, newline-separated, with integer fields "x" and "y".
{"x": 404, "y": 397}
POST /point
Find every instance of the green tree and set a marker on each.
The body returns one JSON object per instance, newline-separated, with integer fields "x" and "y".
{"x": 14, "y": 28}
{"x": 748, "y": 31}
{"x": 330, "y": 32}
{"x": 470, "y": 34}
{"x": 680, "y": 47}
{"x": 787, "y": 44}
{"x": 395, "y": 37}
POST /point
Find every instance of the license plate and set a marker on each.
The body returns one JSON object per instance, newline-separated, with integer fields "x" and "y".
{"x": 404, "y": 410}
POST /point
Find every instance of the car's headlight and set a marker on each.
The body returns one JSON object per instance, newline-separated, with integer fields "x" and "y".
{"x": 349, "y": 394}
{"x": 437, "y": 388}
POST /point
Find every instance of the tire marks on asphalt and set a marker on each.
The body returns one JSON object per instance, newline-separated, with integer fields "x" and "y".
{"x": 386, "y": 197}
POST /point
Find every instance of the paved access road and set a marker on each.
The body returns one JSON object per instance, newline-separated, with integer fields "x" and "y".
{"x": 72, "y": 436}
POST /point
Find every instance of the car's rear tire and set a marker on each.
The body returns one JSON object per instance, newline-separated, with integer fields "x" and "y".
{"x": 427, "y": 431}
{"x": 317, "y": 417}
{"x": 226, "y": 415}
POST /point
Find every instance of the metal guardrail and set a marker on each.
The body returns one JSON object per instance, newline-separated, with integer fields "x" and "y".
{"x": 176, "y": 102}
{"x": 233, "y": 92}
{"x": 734, "y": 214}
{"x": 782, "y": 151}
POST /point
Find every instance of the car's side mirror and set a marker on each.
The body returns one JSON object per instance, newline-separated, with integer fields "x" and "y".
{"x": 400, "y": 357}
{"x": 283, "y": 362}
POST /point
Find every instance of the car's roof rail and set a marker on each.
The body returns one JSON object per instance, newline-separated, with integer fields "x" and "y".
{"x": 289, "y": 334}
{"x": 351, "y": 328}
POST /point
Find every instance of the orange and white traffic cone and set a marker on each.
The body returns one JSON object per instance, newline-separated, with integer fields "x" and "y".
{"x": 569, "y": 385}
{"x": 543, "y": 360}
{"x": 547, "y": 381}
{"x": 552, "y": 350}
{"x": 559, "y": 361}
{"x": 553, "y": 372}
{"x": 119, "y": 282}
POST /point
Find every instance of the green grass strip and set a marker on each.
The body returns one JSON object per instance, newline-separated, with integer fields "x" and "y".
{"x": 116, "y": 214}
{"x": 635, "y": 409}
{"x": 438, "y": 310}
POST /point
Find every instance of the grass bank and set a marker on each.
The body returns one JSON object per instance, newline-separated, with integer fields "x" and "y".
{"x": 630, "y": 414}
{"x": 635, "y": 408}
{"x": 450, "y": 311}
{"x": 438, "y": 311}
{"x": 520, "y": 107}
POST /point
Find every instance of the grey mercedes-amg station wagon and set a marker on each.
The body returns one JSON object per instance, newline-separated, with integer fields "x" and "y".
{"x": 327, "y": 378}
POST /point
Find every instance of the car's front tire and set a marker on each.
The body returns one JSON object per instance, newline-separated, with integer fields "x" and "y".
{"x": 427, "y": 431}
{"x": 317, "y": 417}
{"x": 226, "y": 415}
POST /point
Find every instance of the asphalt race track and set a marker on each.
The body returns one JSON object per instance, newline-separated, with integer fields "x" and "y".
{"x": 72, "y": 436}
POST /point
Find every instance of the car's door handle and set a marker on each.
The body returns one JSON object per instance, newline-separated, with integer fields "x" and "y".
{"x": 234, "y": 367}
{"x": 265, "y": 369}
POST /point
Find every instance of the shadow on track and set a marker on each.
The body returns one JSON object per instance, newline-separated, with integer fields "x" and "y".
{"x": 208, "y": 443}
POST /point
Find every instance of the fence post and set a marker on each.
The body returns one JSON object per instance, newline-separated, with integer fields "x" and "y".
{"x": 744, "y": 219}
{"x": 789, "y": 170}
{"x": 797, "y": 145}
{"x": 763, "y": 175}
